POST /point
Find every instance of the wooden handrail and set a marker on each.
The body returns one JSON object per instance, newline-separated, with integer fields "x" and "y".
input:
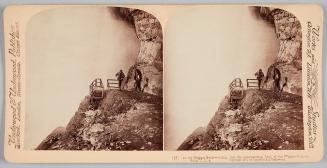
{"x": 252, "y": 81}
{"x": 111, "y": 82}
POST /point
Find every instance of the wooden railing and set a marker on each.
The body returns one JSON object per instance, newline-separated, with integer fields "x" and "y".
{"x": 96, "y": 89}
{"x": 252, "y": 83}
{"x": 112, "y": 84}
{"x": 237, "y": 82}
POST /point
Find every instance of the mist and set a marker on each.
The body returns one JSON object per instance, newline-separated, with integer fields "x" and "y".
{"x": 67, "y": 48}
{"x": 205, "y": 49}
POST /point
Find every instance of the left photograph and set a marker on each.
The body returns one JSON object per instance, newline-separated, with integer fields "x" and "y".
{"x": 94, "y": 80}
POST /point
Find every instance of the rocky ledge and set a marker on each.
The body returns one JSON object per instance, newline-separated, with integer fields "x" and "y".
{"x": 124, "y": 121}
{"x": 264, "y": 120}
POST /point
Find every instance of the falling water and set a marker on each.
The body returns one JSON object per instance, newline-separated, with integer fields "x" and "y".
{"x": 67, "y": 48}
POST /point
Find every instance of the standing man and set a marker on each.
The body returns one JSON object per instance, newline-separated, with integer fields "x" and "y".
{"x": 120, "y": 77}
{"x": 146, "y": 84}
{"x": 259, "y": 76}
{"x": 138, "y": 79}
{"x": 276, "y": 77}
{"x": 284, "y": 85}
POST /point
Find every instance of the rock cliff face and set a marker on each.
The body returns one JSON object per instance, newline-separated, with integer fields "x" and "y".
{"x": 289, "y": 58}
{"x": 293, "y": 74}
{"x": 150, "y": 57}
{"x": 288, "y": 31}
{"x": 264, "y": 119}
{"x": 124, "y": 121}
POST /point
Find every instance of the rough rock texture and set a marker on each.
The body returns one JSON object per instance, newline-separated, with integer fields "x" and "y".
{"x": 264, "y": 120}
{"x": 289, "y": 58}
{"x": 148, "y": 30}
{"x": 155, "y": 76}
{"x": 124, "y": 121}
{"x": 288, "y": 31}
{"x": 291, "y": 71}
{"x": 150, "y": 57}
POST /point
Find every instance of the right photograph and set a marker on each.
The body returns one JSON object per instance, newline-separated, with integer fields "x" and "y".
{"x": 233, "y": 79}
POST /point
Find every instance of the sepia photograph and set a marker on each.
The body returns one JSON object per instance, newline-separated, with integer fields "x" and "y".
{"x": 163, "y": 83}
{"x": 95, "y": 79}
{"x": 242, "y": 80}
